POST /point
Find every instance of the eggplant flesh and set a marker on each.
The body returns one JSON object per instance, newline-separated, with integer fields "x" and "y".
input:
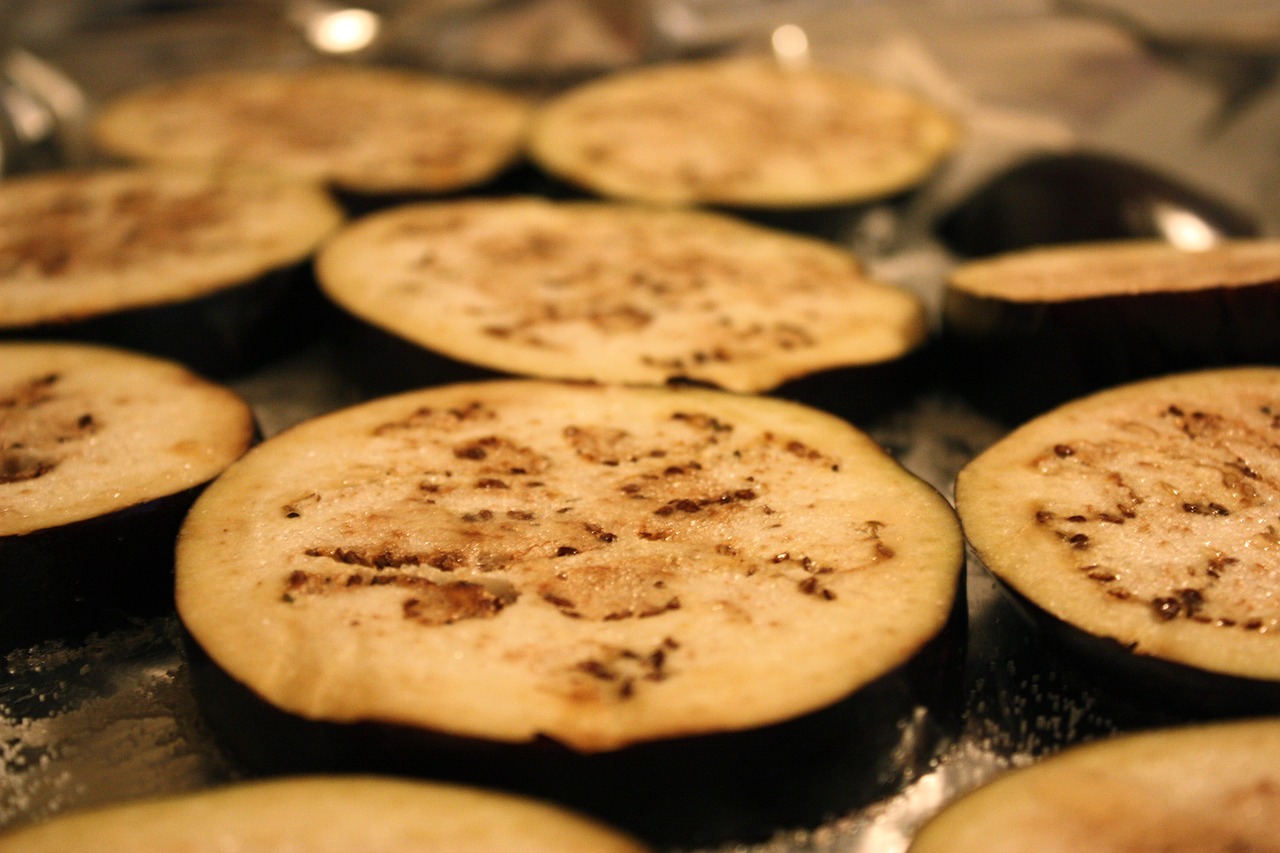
{"x": 583, "y": 585}
{"x": 1204, "y": 787}
{"x": 1135, "y": 525}
{"x": 332, "y": 814}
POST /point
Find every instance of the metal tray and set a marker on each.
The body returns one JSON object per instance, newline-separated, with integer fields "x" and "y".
{"x": 114, "y": 717}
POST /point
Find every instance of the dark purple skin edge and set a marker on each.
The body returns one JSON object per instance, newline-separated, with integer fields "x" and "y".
{"x": 695, "y": 790}
{"x": 223, "y": 334}
{"x": 1165, "y": 687}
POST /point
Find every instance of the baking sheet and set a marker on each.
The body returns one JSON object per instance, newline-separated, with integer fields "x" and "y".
{"x": 114, "y": 718}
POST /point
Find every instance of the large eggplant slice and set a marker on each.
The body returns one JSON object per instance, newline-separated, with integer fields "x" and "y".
{"x": 614, "y": 292}
{"x": 367, "y": 131}
{"x": 203, "y": 266}
{"x": 743, "y": 133}
{"x": 1139, "y": 526}
{"x": 1193, "y": 788}
{"x": 631, "y": 592}
{"x": 1037, "y": 327}
{"x": 101, "y": 453}
{"x": 337, "y": 814}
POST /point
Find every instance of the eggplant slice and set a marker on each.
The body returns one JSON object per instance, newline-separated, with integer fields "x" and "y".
{"x": 1139, "y": 526}
{"x": 614, "y": 292}
{"x": 318, "y": 814}
{"x": 1192, "y": 788}
{"x": 536, "y": 575}
{"x": 198, "y": 265}
{"x": 742, "y": 133}
{"x": 1040, "y": 326}
{"x": 371, "y": 131}
{"x": 101, "y": 453}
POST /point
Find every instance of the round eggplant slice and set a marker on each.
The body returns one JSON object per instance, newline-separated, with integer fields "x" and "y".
{"x": 744, "y": 133}
{"x": 101, "y": 453}
{"x": 1037, "y": 327}
{"x": 1192, "y": 788}
{"x": 366, "y": 131}
{"x": 623, "y": 595}
{"x": 613, "y": 292}
{"x": 1138, "y": 526}
{"x": 335, "y": 814}
{"x": 197, "y": 265}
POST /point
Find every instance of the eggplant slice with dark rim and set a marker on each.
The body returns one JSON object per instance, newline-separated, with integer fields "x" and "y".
{"x": 1202, "y": 788}
{"x": 1033, "y": 328}
{"x": 640, "y": 600}
{"x": 102, "y": 452}
{"x": 369, "y": 134}
{"x": 1140, "y": 527}
{"x": 340, "y": 814}
{"x": 608, "y": 292}
{"x": 741, "y": 133}
{"x": 210, "y": 267}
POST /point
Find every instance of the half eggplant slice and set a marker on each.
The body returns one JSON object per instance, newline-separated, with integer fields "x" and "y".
{"x": 319, "y": 814}
{"x": 1037, "y": 327}
{"x": 583, "y": 589}
{"x": 1139, "y": 527}
{"x": 1191, "y": 788}
{"x": 209, "y": 267}
{"x": 101, "y": 453}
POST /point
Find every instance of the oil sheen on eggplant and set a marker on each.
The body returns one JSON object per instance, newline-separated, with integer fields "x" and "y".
{"x": 101, "y": 453}
{"x": 622, "y": 595}
{"x": 1138, "y": 527}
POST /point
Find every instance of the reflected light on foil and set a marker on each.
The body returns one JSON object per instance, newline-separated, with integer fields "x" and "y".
{"x": 790, "y": 45}
{"x": 343, "y": 30}
{"x": 1183, "y": 228}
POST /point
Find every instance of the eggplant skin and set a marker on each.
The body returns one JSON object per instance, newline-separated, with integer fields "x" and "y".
{"x": 223, "y": 334}
{"x": 93, "y": 574}
{"x": 710, "y": 789}
{"x": 324, "y": 815}
{"x": 1207, "y": 788}
{"x": 1162, "y": 687}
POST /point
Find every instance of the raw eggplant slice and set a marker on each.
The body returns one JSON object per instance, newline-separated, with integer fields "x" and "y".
{"x": 1192, "y": 788}
{"x": 337, "y": 814}
{"x": 745, "y": 133}
{"x": 375, "y": 131}
{"x": 615, "y": 292}
{"x": 521, "y": 575}
{"x": 1139, "y": 526}
{"x": 196, "y": 265}
{"x": 1040, "y": 326}
{"x": 101, "y": 453}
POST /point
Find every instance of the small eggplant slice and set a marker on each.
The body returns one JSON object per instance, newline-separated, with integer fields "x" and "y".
{"x": 1034, "y": 328}
{"x": 616, "y": 293}
{"x": 1189, "y": 788}
{"x": 335, "y": 814}
{"x": 741, "y": 133}
{"x": 1139, "y": 525}
{"x": 101, "y": 453}
{"x": 521, "y": 575}
{"x": 208, "y": 267}
{"x": 359, "y": 130}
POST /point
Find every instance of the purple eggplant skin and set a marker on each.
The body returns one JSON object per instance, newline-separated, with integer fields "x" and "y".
{"x": 705, "y": 789}
{"x": 1019, "y": 359}
{"x": 90, "y": 575}
{"x": 1165, "y": 688}
{"x": 223, "y": 334}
